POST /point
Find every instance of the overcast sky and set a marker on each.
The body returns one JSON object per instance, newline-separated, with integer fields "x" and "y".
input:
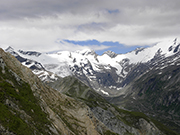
{"x": 47, "y": 25}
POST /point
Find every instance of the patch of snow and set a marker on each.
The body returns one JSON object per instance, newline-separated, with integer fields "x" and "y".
{"x": 125, "y": 73}
{"x": 92, "y": 77}
{"x": 164, "y": 67}
{"x": 37, "y": 72}
{"x": 28, "y": 65}
{"x": 112, "y": 87}
{"x": 160, "y": 73}
{"x": 178, "y": 64}
{"x": 85, "y": 72}
{"x": 105, "y": 93}
{"x": 44, "y": 78}
{"x": 119, "y": 88}
{"x": 172, "y": 64}
{"x": 53, "y": 77}
{"x": 119, "y": 80}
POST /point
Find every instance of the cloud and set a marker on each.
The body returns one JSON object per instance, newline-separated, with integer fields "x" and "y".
{"x": 64, "y": 45}
{"x": 39, "y": 24}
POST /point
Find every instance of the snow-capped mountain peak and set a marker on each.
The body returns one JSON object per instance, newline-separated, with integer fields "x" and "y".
{"x": 110, "y": 54}
{"x": 31, "y": 53}
{"x": 137, "y": 50}
{"x": 10, "y": 49}
{"x": 85, "y": 52}
{"x": 104, "y": 72}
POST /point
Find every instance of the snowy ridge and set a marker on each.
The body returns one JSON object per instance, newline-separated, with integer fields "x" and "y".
{"x": 107, "y": 71}
{"x": 32, "y": 53}
{"x": 60, "y": 61}
{"x": 110, "y": 54}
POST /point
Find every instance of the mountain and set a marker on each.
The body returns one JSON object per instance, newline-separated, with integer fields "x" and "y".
{"x": 107, "y": 74}
{"x": 110, "y": 54}
{"x": 144, "y": 80}
{"x": 35, "y": 66}
{"x": 28, "y": 106}
{"x": 155, "y": 91}
{"x": 107, "y": 113}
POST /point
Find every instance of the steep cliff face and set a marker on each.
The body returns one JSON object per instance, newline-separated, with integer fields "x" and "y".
{"x": 30, "y": 107}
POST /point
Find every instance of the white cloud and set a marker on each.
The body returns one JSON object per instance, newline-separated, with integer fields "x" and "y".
{"x": 39, "y": 24}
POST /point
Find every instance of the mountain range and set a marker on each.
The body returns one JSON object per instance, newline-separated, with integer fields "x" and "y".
{"x": 92, "y": 69}
{"x": 144, "y": 81}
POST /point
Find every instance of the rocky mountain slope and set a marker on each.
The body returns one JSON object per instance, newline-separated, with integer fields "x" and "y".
{"x": 110, "y": 115}
{"x": 28, "y": 106}
{"x": 156, "y": 91}
{"x": 144, "y": 80}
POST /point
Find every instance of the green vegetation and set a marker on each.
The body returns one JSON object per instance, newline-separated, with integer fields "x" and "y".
{"x": 13, "y": 122}
{"x": 22, "y": 114}
{"x": 163, "y": 128}
{"x": 131, "y": 118}
{"x": 108, "y": 132}
{"x": 74, "y": 88}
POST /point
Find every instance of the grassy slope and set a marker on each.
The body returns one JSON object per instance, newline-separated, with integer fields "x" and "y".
{"x": 22, "y": 114}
